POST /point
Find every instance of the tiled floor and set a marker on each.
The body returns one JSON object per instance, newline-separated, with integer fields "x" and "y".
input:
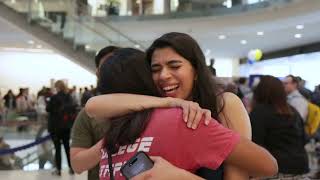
{"x": 38, "y": 175}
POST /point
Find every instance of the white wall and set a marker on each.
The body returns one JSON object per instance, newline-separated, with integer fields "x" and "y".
{"x": 305, "y": 65}
{"x": 34, "y": 70}
{"x": 225, "y": 67}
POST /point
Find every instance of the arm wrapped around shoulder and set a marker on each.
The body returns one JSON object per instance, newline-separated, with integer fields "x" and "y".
{"x": 254, "y": 159}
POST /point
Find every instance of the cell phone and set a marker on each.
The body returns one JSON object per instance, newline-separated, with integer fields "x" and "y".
{"x": 139, "y": 163}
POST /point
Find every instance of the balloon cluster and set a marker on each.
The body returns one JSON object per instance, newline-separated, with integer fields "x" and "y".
{"x": 254, "y": 55}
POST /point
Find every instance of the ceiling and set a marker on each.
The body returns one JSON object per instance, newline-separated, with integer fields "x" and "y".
{"x": 13, "y": 38}
{"x": 277, "y": 23}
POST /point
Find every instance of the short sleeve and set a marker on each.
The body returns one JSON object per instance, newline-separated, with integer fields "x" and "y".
{"x": 80, "y": 133}
{"x": 207, "y": 146}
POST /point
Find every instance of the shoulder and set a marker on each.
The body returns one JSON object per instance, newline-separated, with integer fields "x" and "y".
{"x": 234, "y": 115}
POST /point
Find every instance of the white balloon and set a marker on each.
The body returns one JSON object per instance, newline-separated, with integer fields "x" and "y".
{"x": 252, "y": 55}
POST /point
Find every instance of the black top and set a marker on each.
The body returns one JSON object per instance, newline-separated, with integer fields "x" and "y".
{"x": 59, "y": 105}
{"x": 282, "y": 136}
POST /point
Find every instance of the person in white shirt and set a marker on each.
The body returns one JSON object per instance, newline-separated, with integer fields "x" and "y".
{"x": 295, "y": 99}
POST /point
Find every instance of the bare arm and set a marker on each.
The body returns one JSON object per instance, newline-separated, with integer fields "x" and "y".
{"x": 235, "y": 117}
{"x": 83, "y": 159}
{"x": 112, "y": 105}
{"x": 253, "y": 159}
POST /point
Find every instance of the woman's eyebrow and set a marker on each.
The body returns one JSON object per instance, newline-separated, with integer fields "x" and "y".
{"x": 174, "y": 61}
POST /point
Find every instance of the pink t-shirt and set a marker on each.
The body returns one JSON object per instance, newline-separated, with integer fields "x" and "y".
{"x": 167, "y": 136}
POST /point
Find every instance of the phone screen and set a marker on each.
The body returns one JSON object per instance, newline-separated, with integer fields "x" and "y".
{"x": 139, "y": 163}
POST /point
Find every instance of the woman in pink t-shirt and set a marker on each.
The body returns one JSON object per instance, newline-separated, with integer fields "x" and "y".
{"x": 162, "y": 132}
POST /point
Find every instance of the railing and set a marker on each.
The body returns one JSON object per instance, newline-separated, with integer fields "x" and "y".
{"x": 73, "y": 22}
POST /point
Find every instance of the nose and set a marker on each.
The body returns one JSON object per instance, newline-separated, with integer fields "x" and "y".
{"x": 164, "y": 74}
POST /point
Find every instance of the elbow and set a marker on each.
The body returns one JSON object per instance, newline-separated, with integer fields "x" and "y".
{"x": 272, "y": 168}
{"x": 75, "y": 168}
{"x": 90, "y": 107}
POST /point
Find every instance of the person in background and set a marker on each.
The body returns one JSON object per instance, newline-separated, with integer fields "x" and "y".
{"x": 10, "y": 100}
{"x": 305, "y": 92}
{"x": 2, "y": 109}
{"x": 86, "y": 132}
{"x": 316, "y": 96}
{"x": 294, "y": 98}
{"x": 279, "y": 128}
{"x": 58, "y": 108}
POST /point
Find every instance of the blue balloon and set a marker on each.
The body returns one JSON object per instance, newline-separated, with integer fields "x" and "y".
{"x": 250, "y": 61}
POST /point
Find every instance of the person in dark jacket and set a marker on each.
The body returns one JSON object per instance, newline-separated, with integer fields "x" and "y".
{"x": 10, "y": 100}
{"x": 59, "y": 107}
{"x": 279, "y": 128}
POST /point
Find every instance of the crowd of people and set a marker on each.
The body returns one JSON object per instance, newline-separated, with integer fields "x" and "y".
{"x": 168, "y": 103}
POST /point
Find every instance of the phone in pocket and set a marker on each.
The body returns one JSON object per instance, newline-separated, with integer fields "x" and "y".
{"x": 139, "y": 163}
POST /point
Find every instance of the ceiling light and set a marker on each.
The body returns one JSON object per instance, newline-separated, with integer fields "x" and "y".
{"x": 30, "y": 42}
{"x": 243, "y": 42}
{"x": 87, "y": 47}
{"x": 298, "y": 36}
{"x": 222, "y": 37}
{"x": 260, "y": 33}
{"x": 39, "y": 46}
{"x": 137, "y": 46}
{"x": 300, "y": 26}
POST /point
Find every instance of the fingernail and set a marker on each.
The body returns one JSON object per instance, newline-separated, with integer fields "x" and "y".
{"x": 189, "y": 125}
{"x": 194, "y": 127}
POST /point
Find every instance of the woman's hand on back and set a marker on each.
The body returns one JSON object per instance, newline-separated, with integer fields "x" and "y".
{"x": 192, "y": 112}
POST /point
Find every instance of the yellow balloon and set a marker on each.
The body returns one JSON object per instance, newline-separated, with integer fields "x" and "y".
{"x": 258, "y": 54}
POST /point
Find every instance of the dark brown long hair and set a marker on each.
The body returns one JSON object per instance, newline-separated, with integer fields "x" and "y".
{"x": 270, "y": 91}
{"x": 126, "y": 71}
{"x": 205, "y": 89}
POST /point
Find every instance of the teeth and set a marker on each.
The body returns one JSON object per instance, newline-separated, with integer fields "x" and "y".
{"x": 168, "y": 88}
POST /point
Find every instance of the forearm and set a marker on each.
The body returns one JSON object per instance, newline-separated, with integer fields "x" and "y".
{"x": 85, "y": 159}
{"x": 112, "y": 105}
{"x": 232, "y": 172}
{"x": 187, "y": 175}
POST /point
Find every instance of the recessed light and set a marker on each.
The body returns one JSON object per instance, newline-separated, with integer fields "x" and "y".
{"x": 39, "y": 46}
{"x": 298, "y": 36}
{"x": 300, "y": 26}
{"x": 260, "y": 33}
{"x": 87, "y": 46}
{"x": 30, "y": 42}
{"x": 137, "y": 46}
{"x": 222, "y": 37}
{"x": 243, "y": 42}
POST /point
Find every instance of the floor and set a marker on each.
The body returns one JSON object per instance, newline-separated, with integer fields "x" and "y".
{"x": 38, "y": 175}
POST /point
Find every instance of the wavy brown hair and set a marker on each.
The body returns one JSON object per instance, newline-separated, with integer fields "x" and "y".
{"x": 270, "y": 91}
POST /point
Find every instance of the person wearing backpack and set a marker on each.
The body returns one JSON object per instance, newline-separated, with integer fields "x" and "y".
{"x": 60, "y": 109}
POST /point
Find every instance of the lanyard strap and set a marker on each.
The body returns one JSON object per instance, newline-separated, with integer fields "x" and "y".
{"x": 110, "y": 165}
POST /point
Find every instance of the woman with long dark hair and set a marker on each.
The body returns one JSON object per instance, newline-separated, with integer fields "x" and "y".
{"x": 178, "y": 70}
{"x": 278, "y": 127}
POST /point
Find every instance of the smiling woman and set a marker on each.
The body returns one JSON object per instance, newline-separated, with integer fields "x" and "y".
{"x": 172, "y": 74}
